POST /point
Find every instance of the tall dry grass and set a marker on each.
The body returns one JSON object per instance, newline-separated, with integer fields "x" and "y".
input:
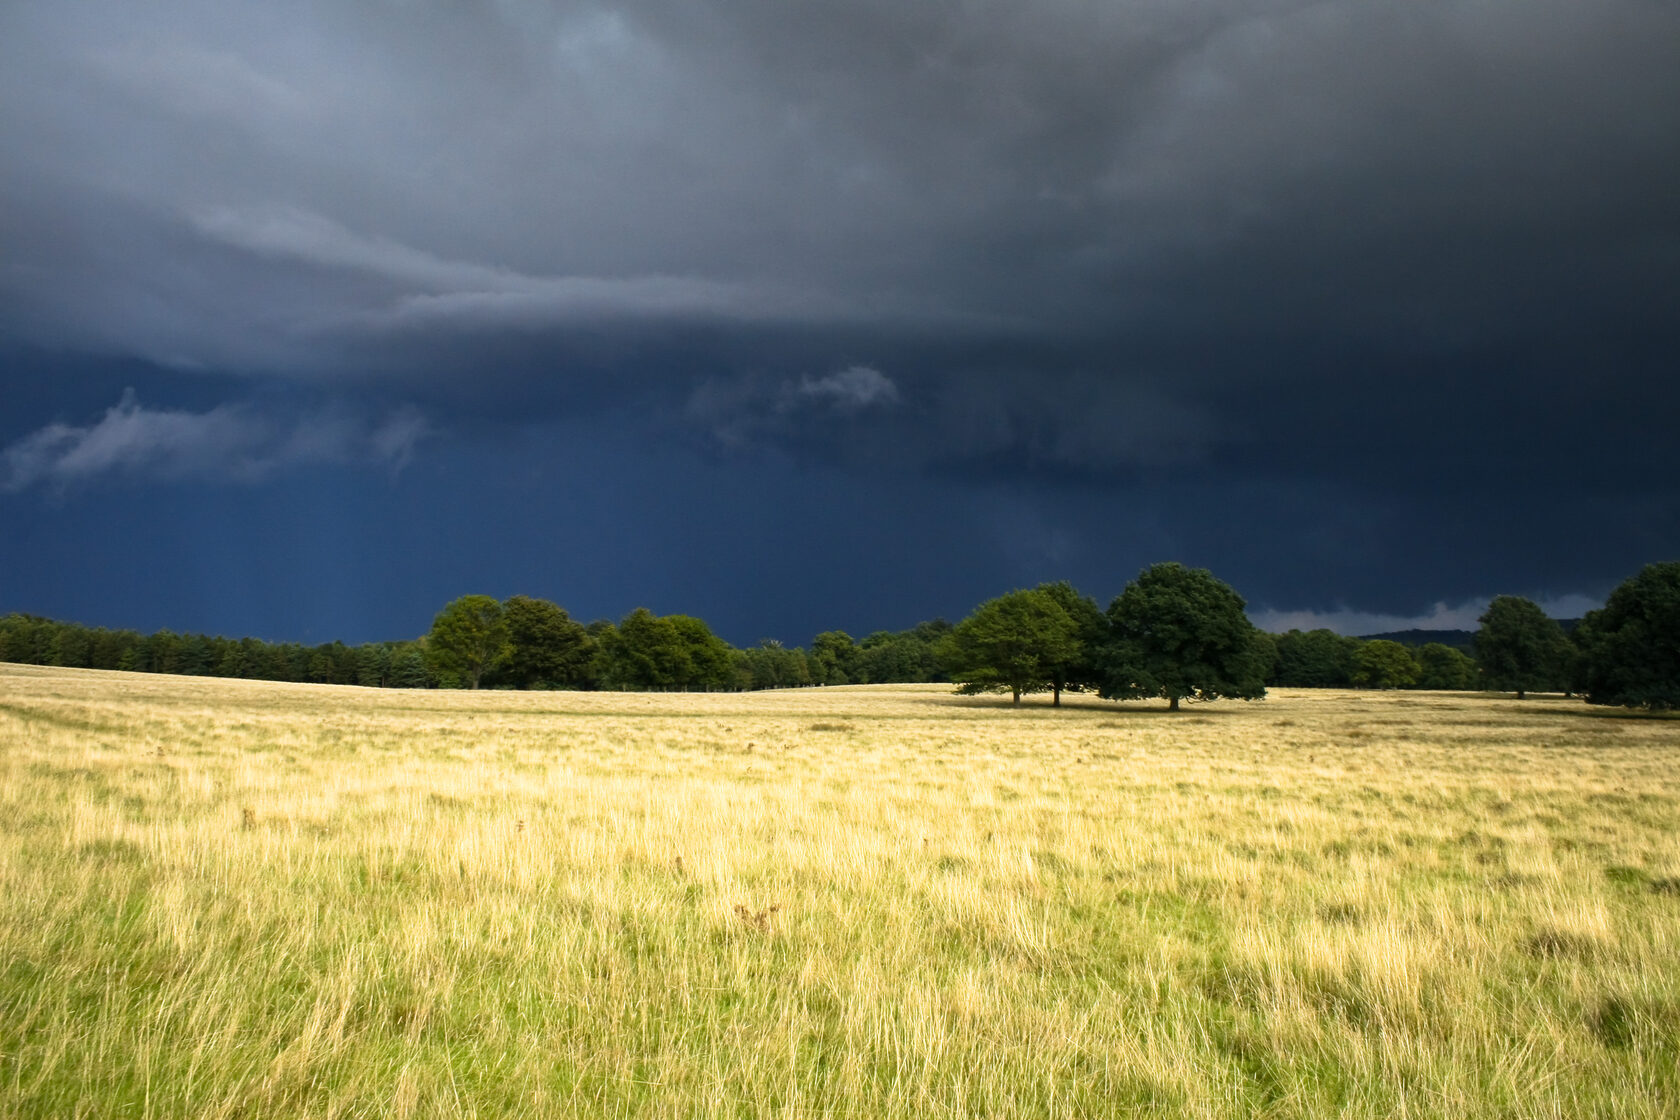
{"x": 223, "y": 898}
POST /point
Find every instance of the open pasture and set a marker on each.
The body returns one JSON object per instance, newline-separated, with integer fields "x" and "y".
{"x": 242, "y": 899}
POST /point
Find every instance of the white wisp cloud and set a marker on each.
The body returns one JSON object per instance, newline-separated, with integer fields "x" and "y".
{"x": 229, "y": 442}
{"x": 427, "y": 289}
{"x": 852, "y": 388}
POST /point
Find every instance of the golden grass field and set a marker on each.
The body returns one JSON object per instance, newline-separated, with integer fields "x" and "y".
{"x": 246, "y": 899}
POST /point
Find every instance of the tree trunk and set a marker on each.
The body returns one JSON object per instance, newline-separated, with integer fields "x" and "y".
{"x": 1173, "y": 706}
{"x": 1015, "y": 689}
{"x": 1057, "y": 702}
{"x": 1520, "y": 695}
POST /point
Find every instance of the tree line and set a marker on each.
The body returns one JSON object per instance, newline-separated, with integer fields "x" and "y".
{"x": 31, "y": 640}
{"x": 477, "y": 642}
{"x": 1175, "y": 633}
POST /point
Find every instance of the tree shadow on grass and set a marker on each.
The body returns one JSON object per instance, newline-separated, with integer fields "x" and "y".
{"x": 1088, "y": 705}
{"x": 1609, "y": 712}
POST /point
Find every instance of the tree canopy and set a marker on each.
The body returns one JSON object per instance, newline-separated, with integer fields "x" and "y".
{"x": 1520, "y": 649}
{"x": 1077, "y": 672}
{"x": 770, "y": 664}
{"x": 1014, "y": 643}
{"x": 1174, "y": 632}
{"x": 1315, "y": 659}
{"x": 468, "y": 637}
{"x": 834, "y": 658}
{"x": 1631, "y": 647}
{"x": 643, "y": 651}
{"x": 649, "y": 651}
{"x": 1178, "y": 632}
{"x": 546, "y": 648}
{"x": 1384, "y": 664}
{"x": 1440, "y": 666}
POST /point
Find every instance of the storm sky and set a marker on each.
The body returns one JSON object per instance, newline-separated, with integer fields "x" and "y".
{"x": 798, "y": 315}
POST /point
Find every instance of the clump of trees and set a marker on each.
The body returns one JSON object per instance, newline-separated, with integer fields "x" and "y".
{"x": 1444, "y": 668}
{"x": 1174, "y": 633}
{"x": 1382, "y": 663}
{"x": 476, "y": 642}
{"x": 32, "y": 640}
{"x": 1178, "y": 633}
{"x": 1021, "y": 642}
{"x": 1326, "y": 659}
{"x": 1314, "y": 659}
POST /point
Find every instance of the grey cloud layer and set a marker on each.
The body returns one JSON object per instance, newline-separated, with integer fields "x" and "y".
{"x": 1184, "y": 196}
{"x": 1441, "y": 616}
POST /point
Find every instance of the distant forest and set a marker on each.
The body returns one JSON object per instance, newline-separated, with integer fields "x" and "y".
{"x": 1175, "y": 632}
{"x": 541, "y": 647}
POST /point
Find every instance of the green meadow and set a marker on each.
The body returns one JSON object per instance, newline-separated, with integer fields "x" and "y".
{"x": 224, "y": 898}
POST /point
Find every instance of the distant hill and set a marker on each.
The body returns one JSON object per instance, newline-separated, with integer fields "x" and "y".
{"x": 1458, "y": 639}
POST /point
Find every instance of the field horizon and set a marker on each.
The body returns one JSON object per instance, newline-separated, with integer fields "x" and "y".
{"x": 247, "y": 898}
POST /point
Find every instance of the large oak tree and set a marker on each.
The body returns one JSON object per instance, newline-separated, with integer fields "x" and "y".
{"x": 1014, "y": 643}
{"x": 468, "y": 638}
{"x": 1632, "y": 645}
{"x": 1177, "y": 633}
{"x": 1520, "y": 649}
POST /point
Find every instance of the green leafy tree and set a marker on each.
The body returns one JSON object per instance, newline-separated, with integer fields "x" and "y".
{"x": 408, "y": 667}
{"x": 1631, "y": 647}
{"x": 1315, "y": 659}
{"x": 72, "y": 647}
{"x": 602, "y": 633}
{"x": 373, "y": 665}
{"x": 232, "y": 661}
{"x": 644, "y": 652}
{"x": 932, "y": 632}
{"x": 14, "y": 642}
{"x": 888, "y": 658}
{"x": 1440, "y": 666}
{"x": 1013, "y": 644}
{"x": 28, "y": 639}
{"x": 164, "y": 652}
{"x": 265, "y": 661}
{"x": 907, "y": 657}
{"x": 884, "y": 657}
{"x": 109, "y": 647}
{"x": 772, "y": 665}
{"x": 1178, "y": 632}
{"x": 1519, "y": 649}
{"x": 1381, "y": 663}
{"x": 834, "y": 658}
{"x": 198, "y": 655}
{"x": 711, "y": 660}
{"x": 546, "y": 648}
{"x": 321, "y": 665}
{"x": 468, "y": 638}
{"x": 1079, "y": 672}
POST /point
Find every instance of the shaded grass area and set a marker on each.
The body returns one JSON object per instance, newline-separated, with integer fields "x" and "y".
{"x": 232, "y": 899}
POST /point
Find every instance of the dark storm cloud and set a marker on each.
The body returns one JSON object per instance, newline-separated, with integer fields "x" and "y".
{"x": 1358, "y": 249}
{"x": 313, "y": 180}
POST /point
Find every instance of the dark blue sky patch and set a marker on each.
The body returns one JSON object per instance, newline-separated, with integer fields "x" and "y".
{"x": 315, "y": 317}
